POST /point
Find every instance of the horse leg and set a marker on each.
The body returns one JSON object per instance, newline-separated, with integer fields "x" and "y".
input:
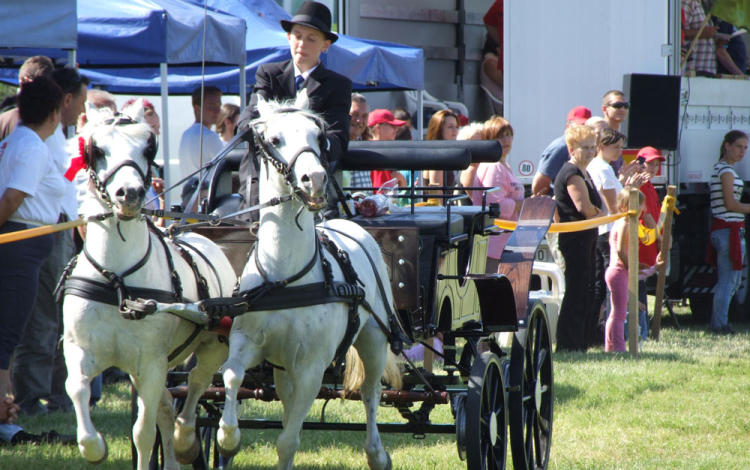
{"x": 373, "y": 350}
{"x": 78, "y": 385}
{"x": 242, "y": 355}
{"x": 210, "y": 355}
{"x": 301, "y": 395}
{"x": 165, "y": 421}
{"x": 150, "y": 386}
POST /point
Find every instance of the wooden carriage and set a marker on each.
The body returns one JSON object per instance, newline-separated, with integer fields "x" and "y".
{"x": 436, "y": 258}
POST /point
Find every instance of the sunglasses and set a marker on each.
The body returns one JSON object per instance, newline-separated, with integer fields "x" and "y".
{"x": 619, "y": 105}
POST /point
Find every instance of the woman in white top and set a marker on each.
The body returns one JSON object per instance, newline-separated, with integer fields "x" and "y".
{"x": 31, "y": 194}
{"x": 728, "y": 227}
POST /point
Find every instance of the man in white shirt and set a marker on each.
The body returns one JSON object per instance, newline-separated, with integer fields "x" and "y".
{"x": 193, "y": 155}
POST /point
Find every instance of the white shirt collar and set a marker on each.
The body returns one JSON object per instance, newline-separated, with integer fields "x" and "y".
{"x": 297, "y": 73}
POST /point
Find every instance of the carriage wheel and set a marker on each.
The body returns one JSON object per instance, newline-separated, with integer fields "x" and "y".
{"x": 531, "y": 395}
{"x": 486, "y": 435}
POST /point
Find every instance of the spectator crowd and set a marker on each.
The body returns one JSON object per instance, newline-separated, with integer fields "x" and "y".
{"x": 583, "y": 169}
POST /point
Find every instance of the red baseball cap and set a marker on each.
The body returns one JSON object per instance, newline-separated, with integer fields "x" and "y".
{"x": 579, "y": 115}
{"x": 650, "y": 154}
{"x": 380, "y": 116}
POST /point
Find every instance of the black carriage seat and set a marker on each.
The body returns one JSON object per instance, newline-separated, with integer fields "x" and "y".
{"x": 222, "y": 191}
{"x": 470, "y": 214}
{"x": 429, "y": 223}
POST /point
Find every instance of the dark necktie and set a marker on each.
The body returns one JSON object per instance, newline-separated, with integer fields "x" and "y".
{"x": 298, "y": 82}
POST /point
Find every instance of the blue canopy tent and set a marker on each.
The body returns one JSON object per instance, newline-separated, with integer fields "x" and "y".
{"x": 149, "y": 35}
{"x": 371, "y": 65}
{"x": 54, "y": 26}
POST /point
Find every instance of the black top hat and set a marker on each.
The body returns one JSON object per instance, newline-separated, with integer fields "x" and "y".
{"x": 313, "y": 15}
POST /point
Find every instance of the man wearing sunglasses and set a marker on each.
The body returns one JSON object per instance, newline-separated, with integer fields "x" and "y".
{"x": 615, "y": 109}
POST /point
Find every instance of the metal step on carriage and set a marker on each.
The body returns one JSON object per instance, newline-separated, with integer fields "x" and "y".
{"x": 436, "y": 259}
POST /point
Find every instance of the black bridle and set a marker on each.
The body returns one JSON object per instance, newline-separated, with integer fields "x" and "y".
{"x": 94, "y": 153}
{"x": 286, "y": 169}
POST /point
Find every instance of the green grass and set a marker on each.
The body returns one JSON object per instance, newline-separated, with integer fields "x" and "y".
{"x": 682, "y": 404}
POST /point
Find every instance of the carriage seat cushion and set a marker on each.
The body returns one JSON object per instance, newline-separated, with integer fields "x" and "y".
{"x": 481, "y": 224}
{"x": 227, "y": 204}
{"x": 429, "y": 223}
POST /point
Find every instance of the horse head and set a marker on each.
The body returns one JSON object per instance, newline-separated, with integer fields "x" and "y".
{"x": 119, "y": 153}
{"x": 290, "y": 138}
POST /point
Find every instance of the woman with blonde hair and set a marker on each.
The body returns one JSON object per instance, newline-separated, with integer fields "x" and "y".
{"x": 577, "y": 199}
{"x": 499, "y": 175}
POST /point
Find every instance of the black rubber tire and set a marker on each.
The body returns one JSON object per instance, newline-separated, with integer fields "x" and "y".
{"x": 531, "y": 395}
{"x": 486, "y": 415}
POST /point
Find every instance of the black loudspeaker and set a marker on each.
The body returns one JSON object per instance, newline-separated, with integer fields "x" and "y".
{"x": 654, "y": 116}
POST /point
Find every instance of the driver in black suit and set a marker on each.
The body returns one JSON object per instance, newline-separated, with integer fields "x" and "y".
{"x": 309, "y": 34}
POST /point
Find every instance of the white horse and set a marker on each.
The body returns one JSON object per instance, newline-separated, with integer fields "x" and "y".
{"x": 303, "y": 341}
{"x": 97, "y": 336}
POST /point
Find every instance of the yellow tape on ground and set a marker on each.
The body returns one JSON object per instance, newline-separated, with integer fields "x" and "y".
{"x": 39, "y": 231}
{"x": 567, "y": 227}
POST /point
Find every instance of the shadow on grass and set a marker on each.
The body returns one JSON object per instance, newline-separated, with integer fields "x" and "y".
{"x": 601, "y": 356}
{"x": 565, "y": 392}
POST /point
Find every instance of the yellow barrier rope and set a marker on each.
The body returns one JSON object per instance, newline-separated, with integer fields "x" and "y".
{"x": 646, "y": 235}
{"x": 39, "y": 231}
{"x": 567, "y": 227}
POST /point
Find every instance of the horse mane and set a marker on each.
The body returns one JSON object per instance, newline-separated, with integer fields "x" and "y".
{"x": 136, "y": 132}
{"x": 288, "y": 104}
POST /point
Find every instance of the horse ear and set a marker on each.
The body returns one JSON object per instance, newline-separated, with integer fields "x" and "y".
{"x": 264, "y": 106}
{"x": 135, "y": 111}
{"x": 302, "y": 101}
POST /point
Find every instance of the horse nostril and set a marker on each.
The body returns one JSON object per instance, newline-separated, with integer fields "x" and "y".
{"x": 305, "y": 178}
{"x": 120, "y": 193}
{"x": 141, "y": 193}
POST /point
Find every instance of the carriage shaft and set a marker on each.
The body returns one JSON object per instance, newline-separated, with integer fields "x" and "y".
{"x": 269, "y": 394}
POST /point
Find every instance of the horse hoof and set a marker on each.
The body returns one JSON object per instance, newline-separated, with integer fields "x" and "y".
{"x": 221, "y": 440}
{"x": 228, "y": 453}
{"x": 104, "y": 457}
{"x": 186, "y": 458}
{"x": 388, "y": 464}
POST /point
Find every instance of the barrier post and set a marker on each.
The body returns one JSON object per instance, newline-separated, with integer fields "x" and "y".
{"x": 661, "y": 276}
{"x": 633, "y": 268}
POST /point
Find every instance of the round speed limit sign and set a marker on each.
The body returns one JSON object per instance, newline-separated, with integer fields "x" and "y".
{"x": 526, "y": 168}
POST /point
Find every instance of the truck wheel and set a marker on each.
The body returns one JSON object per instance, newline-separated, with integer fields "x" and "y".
{"x": 701, "y": 306}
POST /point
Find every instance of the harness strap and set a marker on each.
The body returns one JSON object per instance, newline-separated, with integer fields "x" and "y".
{"x": 289, "y": 280}
{"x": 396, "y": 337}
{"x": 351, "y": 277}
{"x": 176, "y": 283}
{"x": 117, "y": 282}
{"x": 200, "y": 281}
{"x": 102, "y": 292}
{"x": 308, "y": 295}
{"x": 205, "y": 259}
{"x": 196, "y": 331}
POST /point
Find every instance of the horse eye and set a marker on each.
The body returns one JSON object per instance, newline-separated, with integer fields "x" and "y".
{"x": 275, "y": 141}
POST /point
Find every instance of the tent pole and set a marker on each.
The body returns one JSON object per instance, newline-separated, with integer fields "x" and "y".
{"x": 420, "y": 112}
{"x": 165, "y": 129}
{"x": 243, "y": 87}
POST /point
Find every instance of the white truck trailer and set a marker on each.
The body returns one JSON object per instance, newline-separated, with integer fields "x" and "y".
{"x": 560, "y": 54}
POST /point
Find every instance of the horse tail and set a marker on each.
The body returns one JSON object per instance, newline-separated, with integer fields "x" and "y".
{"x": 354, "y": 373}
